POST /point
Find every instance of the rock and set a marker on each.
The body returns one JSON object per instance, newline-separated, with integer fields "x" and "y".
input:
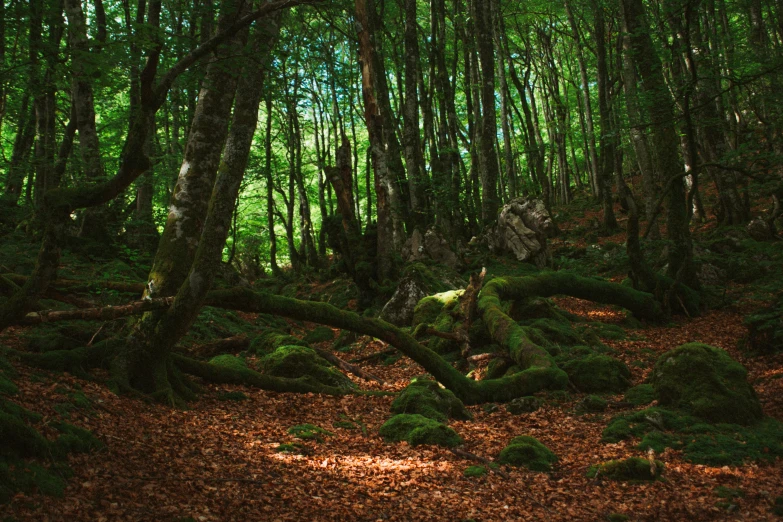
{"x": 523, "y": 405}
{"x": 760, "y": 230}
{"x": 418, "y": 429}
{"x": 528, "y": 452}
{"x": 711, "y": 275}
{"x": 705, "y": 382}
{"x": 399, "y": 309}
{"x": 522, "y": 230}
{"x": 598, "y": 373}
{"x": 300, "y": 361}
{"x": 427, "y": 398}
{"x": 432, "y": 245}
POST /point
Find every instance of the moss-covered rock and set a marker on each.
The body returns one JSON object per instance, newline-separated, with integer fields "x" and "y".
{"x": 700, "y": 442}
{"x": 557, "y": 331}
{"x": 428, "y": 309}
{"x": 528, "y": 452}
{"x": 231, "y": 362}
{"x": 427, "y": 398}
{"x": 640, "y": 395}
{"x": 598, "y": 373}
{"x": 319, "y": 334}
{"x": 633, "y": 469}
{"x": 417, "y": 429}
{"x": 300, "y": 361}
{"x": 706, "y": 382}
{"x": 521, "y": 405}
{"x": 593, "y": 403}
{"x": 270, "y": 340}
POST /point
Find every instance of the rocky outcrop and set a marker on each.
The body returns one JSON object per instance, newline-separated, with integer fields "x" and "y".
{"x": 523, "y": 227}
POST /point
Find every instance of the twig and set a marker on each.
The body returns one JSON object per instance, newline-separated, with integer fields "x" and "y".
{"x": 343, "y": 365}
{"x": 478, "y": 458}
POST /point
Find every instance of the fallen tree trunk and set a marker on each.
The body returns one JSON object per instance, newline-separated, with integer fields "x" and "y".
{"x": 105, "y": 313}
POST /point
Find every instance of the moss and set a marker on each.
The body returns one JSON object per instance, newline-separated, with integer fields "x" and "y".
{"x": 539, "y": 308}
{"x": 593, "y": 403}
{"x": 345, "y": 425}
{"x": 427, "y": 398}
{"x": 701, "y": 443}
{"x": 235, "y": 396}
{"x": 74, "y": 439}
{"x": 428, "y": 309}
{"x": 309, "y": 432}
{"x": 521, "y": 405}
{"x": 270, "y": 340}
{"x": 213, "y": 324}
{"x": 617, "y": 517}
{"x": 730, "y": 493}
{"x": 606, "y": 331}
{"x": 475, "y": 471}
{"x": 229, "y": 361}
{"x": 640, "y": 395}
{"x": 598, "y": 373}
{"x": 20, "y": 439}
{"x": 777, "y": 507}
{"x": 300, "y": 361}
{"x": 633, "y": 469}
{"x": 295, "y": 448}
{"x": 497, "y": 368}
{"x": 319, "y": 334}
{"x": 557, "y": 331}
{"x": 417, "y": 429}
{"x": 528, "y": 452}
{"x": 7, "y": 387}
{"x": 706, "y": 382}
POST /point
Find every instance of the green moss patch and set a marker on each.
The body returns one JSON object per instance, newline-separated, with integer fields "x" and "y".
{"x": 475, "y": 471}
{"x": 417, "y": 429}
{"x": 309, "y": 432}
{"x": 704, "y": 381}
{"x": 427, "y": 398}
{"x": 294, "y": 448}
{"x": 593, "y": 403}
{"x": 319, "y": 334}
{"x": 270, "y": 340}
{"x": 428, "y": 309}
{"x": 528, "y": 452}
{"x": 231, "y": 362}
{"x": 598, "y": 373}
{"x": 640, "y": 395}
{"x": 633, "y": 469}
{"x": 300, "y": 361}
{"x": 700, "y": 442}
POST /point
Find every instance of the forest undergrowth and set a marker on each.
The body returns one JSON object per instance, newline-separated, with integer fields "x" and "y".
{"x": 238, "y": 453}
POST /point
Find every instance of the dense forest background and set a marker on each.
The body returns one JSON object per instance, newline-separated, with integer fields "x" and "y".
{"x": 200, "y": 195}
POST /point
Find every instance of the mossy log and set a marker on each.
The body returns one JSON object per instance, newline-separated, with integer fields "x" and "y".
{"x": 508, "y": 333}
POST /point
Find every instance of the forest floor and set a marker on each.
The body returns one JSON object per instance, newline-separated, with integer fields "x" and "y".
{"x": 217, "y": 460}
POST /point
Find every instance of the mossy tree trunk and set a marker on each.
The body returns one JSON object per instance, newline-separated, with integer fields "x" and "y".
{"x": 190, "y": 252}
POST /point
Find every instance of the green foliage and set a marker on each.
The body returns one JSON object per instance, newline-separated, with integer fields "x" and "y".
{"x": 294, "y": 448}
{"x": 428, "y": 309}
{"x": 300, "y": 361}
{"x": 528, "y": 452}
{"x": 229, "y": 361}
{"x": 73, "y": 439}
{"x": 428, "y": 398}
{"x": 475, "y": 471}
{"x": 309, "y": 432}
{"x": 633, "y": 469}
{"x": 701, "y": 443}
{"x": 598, "y": 373}
{"x": 640, "y": 395}
{"x": 417, "y": 429}
{"x": 706, "y": 382}
{"x": 765, "y": 328}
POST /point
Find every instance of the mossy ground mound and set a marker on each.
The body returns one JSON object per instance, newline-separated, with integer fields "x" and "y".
{"x": 633, "y": 469}
{"x": 300, "y": 361}
{"x": 765, "y": 328}
{"x": 427, "y": 398}
{"x": 528, "y": 452}
{"x": 214, "y": 323}
{"x": 598, "y": 373}
{"x": 231, "y": 362}
{"x": 429, "y": 308}
{"x": 269, "y": 340}
{"x": 593, "y": 403}
{"x": 640, "y": 395}
{"x": 704, "y": 381}
{"x": 700, "y": 442}
{"x": 21, "y": 442}
{"x": 417, "y": 429}
{"x": 319, "y": 334}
